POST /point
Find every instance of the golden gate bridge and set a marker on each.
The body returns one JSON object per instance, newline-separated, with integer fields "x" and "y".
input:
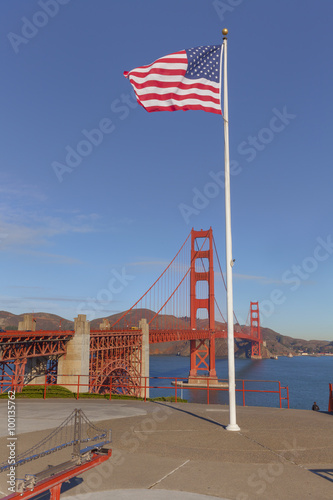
{"x": 180, "y": 305}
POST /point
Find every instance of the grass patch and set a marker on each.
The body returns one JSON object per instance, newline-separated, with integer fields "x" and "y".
{"x": 31, "y": 391}
{"x": 37, "y": 392}
{"x": 170, "y": 399}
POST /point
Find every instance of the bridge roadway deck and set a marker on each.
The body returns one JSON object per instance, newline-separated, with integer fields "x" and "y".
{"x": 49, "y": 337}
{"x": 182, "y": 451}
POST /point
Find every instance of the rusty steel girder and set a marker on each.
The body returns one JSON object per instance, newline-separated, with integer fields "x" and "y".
{"x": 115, "y": 361}
{"x": 21, "y": 344}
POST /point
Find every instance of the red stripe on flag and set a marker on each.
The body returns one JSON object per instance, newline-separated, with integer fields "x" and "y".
{"x": 158, "y": 71}
{"x": 178, "y": 97}
{"x": 184, "y": 108}
{"x": 180, "y": 85}
{"x": 168, "y": 60}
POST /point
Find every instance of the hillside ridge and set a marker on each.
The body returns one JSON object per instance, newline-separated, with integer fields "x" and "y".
{"x": 275, "y": 344}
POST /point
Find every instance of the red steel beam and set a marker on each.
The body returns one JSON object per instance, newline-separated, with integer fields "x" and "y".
{"x": 44, "y": 343}
{"x": 22, "y": 344}
{"x": 18, "y": 334}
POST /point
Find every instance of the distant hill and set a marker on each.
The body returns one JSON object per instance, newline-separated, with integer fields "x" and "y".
{"x": 276, "y": 344}
{"x": 44, "y": 321}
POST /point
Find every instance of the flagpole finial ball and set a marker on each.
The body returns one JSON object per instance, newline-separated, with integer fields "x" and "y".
{"x": 225, "y": 32}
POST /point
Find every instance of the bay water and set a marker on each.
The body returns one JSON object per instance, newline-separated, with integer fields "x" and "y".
{"x": 307, "y": 377}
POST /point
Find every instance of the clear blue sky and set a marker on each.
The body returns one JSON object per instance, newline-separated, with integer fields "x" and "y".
{"x": 118, "y": 208}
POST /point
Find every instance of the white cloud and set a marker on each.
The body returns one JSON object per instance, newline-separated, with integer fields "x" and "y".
{"x": 26, "y": 222}
{"x": 26, "y": 193}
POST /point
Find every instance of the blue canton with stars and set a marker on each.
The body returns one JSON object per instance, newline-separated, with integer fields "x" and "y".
{"x": 204, "y": 62}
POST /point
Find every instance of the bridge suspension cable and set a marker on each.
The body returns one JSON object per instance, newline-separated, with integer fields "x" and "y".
{"x": 157, "y": 287}
{"x": 225, "y": 286}
{"x": 166, "y": 304}
{"x": 203, "y": 264}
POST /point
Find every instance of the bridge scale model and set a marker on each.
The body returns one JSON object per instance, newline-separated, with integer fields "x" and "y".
{"x": 74, "y": 431}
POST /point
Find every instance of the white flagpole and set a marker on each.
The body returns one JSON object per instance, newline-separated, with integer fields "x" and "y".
{"x": 228, "y": 243}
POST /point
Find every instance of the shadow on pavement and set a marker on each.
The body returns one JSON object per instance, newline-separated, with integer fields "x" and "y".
{"x": 324, "y": 473}
{"x": 191, "y": 414}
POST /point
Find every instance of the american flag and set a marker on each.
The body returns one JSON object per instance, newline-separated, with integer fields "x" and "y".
{"x": 189, "y": 79}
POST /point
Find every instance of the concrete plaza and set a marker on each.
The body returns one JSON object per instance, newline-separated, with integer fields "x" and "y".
{"x": 183, "y": 451}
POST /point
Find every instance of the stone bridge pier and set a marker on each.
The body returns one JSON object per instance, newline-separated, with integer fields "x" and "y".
{"x": 73, "y": 367}
{"x": 143, "y": 325}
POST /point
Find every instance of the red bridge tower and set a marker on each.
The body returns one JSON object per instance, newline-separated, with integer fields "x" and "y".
{"x": 202, "y": 351}
{"x": 255, "y": 330}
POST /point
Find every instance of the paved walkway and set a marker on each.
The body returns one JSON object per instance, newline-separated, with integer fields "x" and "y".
{"x": 183, "y": 452}
{"x": 50, "y": 413}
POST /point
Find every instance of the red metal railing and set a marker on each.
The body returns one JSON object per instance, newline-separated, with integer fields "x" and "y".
{"x": 175, "y": 384}
{"x": 330, "y": 399}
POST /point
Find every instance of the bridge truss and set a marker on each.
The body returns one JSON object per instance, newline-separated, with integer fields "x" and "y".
{"x": 116, "y": 362}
